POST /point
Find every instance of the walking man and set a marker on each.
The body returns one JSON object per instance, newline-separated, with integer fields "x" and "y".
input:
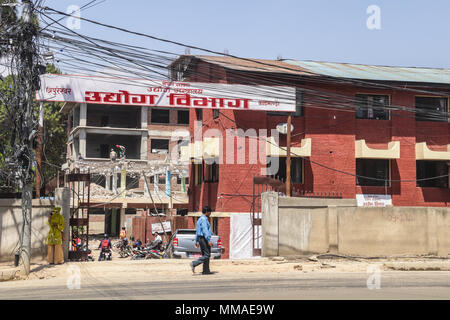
{"x": 203, "y": 238}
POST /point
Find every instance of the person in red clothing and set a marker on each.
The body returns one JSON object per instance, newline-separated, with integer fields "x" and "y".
{"x": 104, "y": 246}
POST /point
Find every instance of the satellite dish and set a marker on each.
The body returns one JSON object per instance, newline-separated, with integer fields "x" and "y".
{"x": 282, "y": 128}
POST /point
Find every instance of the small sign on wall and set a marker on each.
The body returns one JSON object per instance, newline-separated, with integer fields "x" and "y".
{"x": 373, "y": 200}
{"x": 156, "y": 227}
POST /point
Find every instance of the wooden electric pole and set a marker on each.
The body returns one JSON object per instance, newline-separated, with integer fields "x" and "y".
{"x": 288, "y": 156}
{"x": 40, "y": 139}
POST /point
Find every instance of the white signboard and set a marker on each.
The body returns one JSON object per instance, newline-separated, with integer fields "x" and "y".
{"x": 373, "y": 200}
{"x": 157, "y": 93}
{"x": 156, "y": 227}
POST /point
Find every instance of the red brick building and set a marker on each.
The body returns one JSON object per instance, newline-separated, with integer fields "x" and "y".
{"x": 359, "y": 130}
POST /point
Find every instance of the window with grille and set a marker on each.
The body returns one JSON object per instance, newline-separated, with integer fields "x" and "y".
{"x": 369, "y": 106}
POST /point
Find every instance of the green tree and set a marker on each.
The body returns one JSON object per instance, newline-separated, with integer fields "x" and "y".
{"x": 55, "y": 136}
{"x": 54, "y": 140}
{"x": 8, "y": 15}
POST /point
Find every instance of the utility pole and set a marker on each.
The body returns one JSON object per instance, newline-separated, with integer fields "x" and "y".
{"x": 39, "y": 150}
{"x": 288, "y": 156}
{"x": 27, "y": 80}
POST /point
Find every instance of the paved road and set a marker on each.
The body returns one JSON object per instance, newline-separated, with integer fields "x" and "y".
{"x": 393, "y": 285}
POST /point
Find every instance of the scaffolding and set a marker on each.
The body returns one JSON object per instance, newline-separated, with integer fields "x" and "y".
{"x": 79, "y": 183}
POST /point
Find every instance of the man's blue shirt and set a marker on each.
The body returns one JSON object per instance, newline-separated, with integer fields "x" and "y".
{"x": 203, "y": 229}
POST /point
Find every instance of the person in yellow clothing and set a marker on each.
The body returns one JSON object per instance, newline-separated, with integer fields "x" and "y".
{"x": 55, "y": 235}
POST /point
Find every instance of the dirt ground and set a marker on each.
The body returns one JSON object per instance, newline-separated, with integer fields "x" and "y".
{"x": 175, "y": 268}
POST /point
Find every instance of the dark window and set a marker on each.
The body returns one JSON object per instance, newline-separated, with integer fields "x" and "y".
{"x": 432, "y": 169}
{"x": 161, "y": 179}
{"x": 212, "y": 173}
{"x": 186, "y": 180}
{"x": 199, "y": 114}
{"x": 104, "y": 121}
{"x": 132, "y": 182}
{"x": 104, "y": 151}
{"x": 160, "y": 116}
{"x": 198, "y": 173}
{"x": 160, "y": 146}
{"x": 372, "y": 168}
{"x": 298, "y": 106}
{"x": 431, "y": 109}
{"x": 369, "y": 106}
{"x": 296, "y": 168}
{"x": 216, "y": 113}
{"x": 99, "y": 179}
{"x": 183, "y": 116}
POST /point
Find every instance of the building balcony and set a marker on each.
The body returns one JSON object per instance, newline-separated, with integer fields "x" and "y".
{"x": 424, "y": 153}
{"x": 363, "y": 151}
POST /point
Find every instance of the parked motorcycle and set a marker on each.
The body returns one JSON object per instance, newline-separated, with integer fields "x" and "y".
{"x": 90, "y": 256}
{"x": 161, "y": 253}
{"x": 105, "y": 254}
{"x": 139, "y": 253}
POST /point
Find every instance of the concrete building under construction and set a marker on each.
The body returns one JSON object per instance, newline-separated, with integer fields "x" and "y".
{"x": 119, "y": 144}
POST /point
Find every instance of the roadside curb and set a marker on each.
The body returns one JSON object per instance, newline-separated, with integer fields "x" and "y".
{"x": 9, "y": 274}
{"x": 418, "y": 266}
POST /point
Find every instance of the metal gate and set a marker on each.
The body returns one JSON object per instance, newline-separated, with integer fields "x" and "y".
{"x": 79, "y": 185}
{"x": 261, "y": 184}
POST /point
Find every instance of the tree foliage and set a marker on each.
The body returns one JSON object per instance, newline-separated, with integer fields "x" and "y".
{"x": 54, "y": 139}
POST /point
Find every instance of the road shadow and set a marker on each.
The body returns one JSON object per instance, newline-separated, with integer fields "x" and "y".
{"x": 41, "y": 267}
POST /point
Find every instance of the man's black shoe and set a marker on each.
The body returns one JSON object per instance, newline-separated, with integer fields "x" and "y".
{"x": 209, "y": 272}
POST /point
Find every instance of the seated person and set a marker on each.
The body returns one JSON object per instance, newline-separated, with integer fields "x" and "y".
{"x": 137, "y": 244}
{"x": 157, "y": 242}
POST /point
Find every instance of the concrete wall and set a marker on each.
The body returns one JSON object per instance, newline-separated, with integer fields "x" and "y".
{"x": 303, "y": 226}
{"x": 11, "y": 228}
{"x": 11, "y": 225}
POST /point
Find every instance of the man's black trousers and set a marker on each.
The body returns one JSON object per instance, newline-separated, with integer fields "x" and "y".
{"x": 206, "y": 254}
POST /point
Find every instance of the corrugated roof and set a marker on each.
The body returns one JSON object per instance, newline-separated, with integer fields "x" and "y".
{"x": 332, "y": 69}
{"x": 379, "y": 73}
{"x": 256, "y": 65}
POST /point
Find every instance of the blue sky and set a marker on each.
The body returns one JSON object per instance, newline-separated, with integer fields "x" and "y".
{"x": 413, "y": 32}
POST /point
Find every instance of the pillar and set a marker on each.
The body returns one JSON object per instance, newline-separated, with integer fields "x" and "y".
{"x": 122, "y": 216}
{"x": 62, "y": 199}
{"x": 107, "y": 181}
{"x": 144, "y": 146}
{"x": 82, "y": 143}
{"x": 114, "y": 181}
{"x": 83, "y": 114}
{"x": 333, "y": 240}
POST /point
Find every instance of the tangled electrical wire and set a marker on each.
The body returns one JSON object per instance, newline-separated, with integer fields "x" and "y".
{"x": 78, "y": 53}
